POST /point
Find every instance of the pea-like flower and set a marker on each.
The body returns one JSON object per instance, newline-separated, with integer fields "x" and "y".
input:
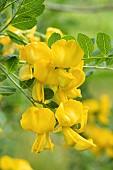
{"x": 40, "y": 121}
{"x": 34, "y": 51}
{"x": 6, "y": 162}
{"x": 66, "y": 54}
{"x": 70, "y": 114}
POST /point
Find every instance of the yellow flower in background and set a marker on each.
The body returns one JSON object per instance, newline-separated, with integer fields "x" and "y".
{"x": 40, "y": 121}
{"x": 92, "y": 104}
{"x": 102, "y": 137}
{"x": 21, "y": 164}
{"x": 99, "y": 109}
{"x": 8, "y": 163}
{"x": 0, "y": 131}
{"x": 69, "y": 114}
{"x": 104, "y": 112}
{"x": 66, "y": 54}
{"x": 52, "y": 30}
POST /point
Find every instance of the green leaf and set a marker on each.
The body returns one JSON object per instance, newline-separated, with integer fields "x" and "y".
{"x": 12, "y": 65}
{"x": 7, "y": 91}
{"x": 26, "y": 15}
{"x": 68, "y": 37}
{"x": 33, "y": 2}
{"x": 1, "y": 48}
{"x": 53, "y": 38}
{"x": 24, "y": 23}
{"x": 2, "y": 77}
{"x": 109, "y": 60}
{"x": 2, "y": 4}
{"x": 48, "y": 93}
{"x": 15, "y": 38}
{"x": 103, "y": 43}
{"x": 52, "y": 105}
{"x": 7, "y": 57}
{"x": 27, "y": 83}
{"x": 32, "y": 11}
{"x": 86, "y": 44}
{"x": 97, "y": 53}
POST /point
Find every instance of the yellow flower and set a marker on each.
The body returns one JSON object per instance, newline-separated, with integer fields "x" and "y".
{"x": 52, "y": 30}
{"x": 71, "y": 79}
{"x": 92, "y": 104}
{"x": 62, "y": 96}
{"x": 75, "y": 140}
{"x": 7, "y": 163}
{"x": 66, "y": 54}
{"x": 45, "y": 72}
{"x": 105, "y": 106}
{"x": 25, "y": 72}
{"x": 0, "y": 131}
{"x": 38, "y": 91}
{"x": 34, "y": 51}
{"x": 21, "y": 164}
{"x": 40, "y": 121}
{"x": 103, "y": 137}
{"x": 69, "y": 114}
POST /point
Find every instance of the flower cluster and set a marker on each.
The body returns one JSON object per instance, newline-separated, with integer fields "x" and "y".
{"x": 99, "y": 122}
{"x": 6, "y": 162}
{"x": 61, "y": 69}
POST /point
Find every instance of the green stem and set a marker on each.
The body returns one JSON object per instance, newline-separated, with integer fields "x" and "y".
{"x": 12, "y": 18}
{"x": 98, "y": 67}
{"x": 96, "y": 58}
{"x": 2, "y": 69}
{"x": 9, "y": 4}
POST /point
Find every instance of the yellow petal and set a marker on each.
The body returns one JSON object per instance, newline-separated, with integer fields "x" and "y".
{"x": 42, "y": 69}
{"x": 34, "y": 51}
{"x": 69, "y": 113}
{"x": 83, "y": 120}
{"x": 74, "y": 139}
{"x": 41, "y": 142}
{"x": 52, "y": 78}
{"x": 84, "y": 144}
{"x": 66, "y": 54}
{"x": 21, "y": 164}
{"x": 25, "y": 72}
{"x": 49, "y": 145}
{"x": 73, "y": 93}
{"x": 65, "y": 79}
{"x": 79, "y": 76}
{"x": 7, "y": 162}
{"x": 38, "y": 120}
{"x": 38, "y": 91}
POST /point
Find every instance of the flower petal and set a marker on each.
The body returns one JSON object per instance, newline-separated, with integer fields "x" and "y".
{"x": 66, "y": 54}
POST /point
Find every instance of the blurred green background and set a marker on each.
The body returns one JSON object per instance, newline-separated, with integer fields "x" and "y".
{"x": 16, "y": 142}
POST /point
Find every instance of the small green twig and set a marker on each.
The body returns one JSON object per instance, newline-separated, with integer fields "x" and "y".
{"x": 98, "y": 67}
{"x": 9, "y": 4}
{"x": 3, "y": 70}
{"x": 11, "y": 18}
{"x": 91, "y": 58}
